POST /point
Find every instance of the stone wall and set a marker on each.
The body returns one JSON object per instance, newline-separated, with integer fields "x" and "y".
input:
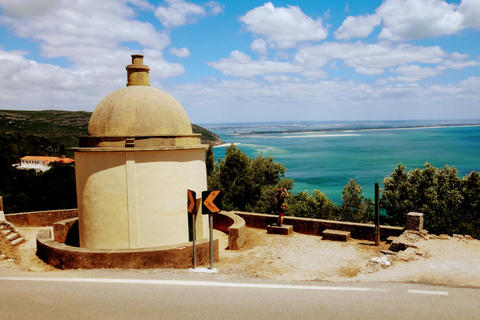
{"x": 317, "y": 226}
{"x": 40, "y": 218}
{"x": 254, "y": 220}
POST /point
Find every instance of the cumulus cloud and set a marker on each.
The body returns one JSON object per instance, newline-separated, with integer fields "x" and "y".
{"x": 414, "y": 73}
{"x": 358, "y": 27}
{"x": 177, "y": 13}
{"x": 74, "y": 30}
{"x": 369, "y": 58}
{"x": 25, "y": 9}
{"x": 142, "y": 4}
{"x": 241, "y": 65}
{"x": 95, "y": 42}
{"x": 285, "y": 26}
{"x": 260, "y": 47}
{"x": 405, "y": 20}
{"x": 50, "y": 84}
{"x": 471, "y": 13}
{"x": 276, "y": 78}
{"x": 181, "y": 53}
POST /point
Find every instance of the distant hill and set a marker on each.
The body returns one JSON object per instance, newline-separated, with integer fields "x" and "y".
{"x": 64, "y": 127}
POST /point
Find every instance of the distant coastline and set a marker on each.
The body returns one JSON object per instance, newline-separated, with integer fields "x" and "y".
{"x": 323, "y": 130}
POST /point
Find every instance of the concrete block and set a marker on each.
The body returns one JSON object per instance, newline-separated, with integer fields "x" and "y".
{"x": 391, "y": 239}
{"x": 336, "y": 235}
{"x": 61, "y": 229}
{"x": 12, "y": 236}
{"x": 415, "y": 221}
{"x": 285, "y": 230}
{"x": 17, "y": 241}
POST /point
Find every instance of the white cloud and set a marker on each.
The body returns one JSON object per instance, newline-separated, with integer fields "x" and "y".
{"x": 369, "y": 58}
{"x": 254, "y": 100}
{"x": 181, "y": 53}
{"x": 405, "y": 20}
{"x": 92, "y": 39}
{"x": 314, "y": 74}
{"x": 142, "y": 4}
{"x": 241, "y": 65}
{"x": 358, "y": 27}
{"x": 179, "y": 12}
{"x": 284, "y": 26}
{"x": 25, "y": 9}
{"x": 50, "y": 85}
{"x": 74, "y": 30}
{"x": 261, "y": 48}
{"x": 276, "y": 78}
{"x": 414, "y": 73}
{"x": 471, "y": 13}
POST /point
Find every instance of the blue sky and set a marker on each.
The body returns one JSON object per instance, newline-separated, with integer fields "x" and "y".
{"x": 245, "y": 61}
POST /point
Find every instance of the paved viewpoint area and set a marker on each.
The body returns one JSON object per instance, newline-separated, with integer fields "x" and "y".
{"x": 452, "y": 261}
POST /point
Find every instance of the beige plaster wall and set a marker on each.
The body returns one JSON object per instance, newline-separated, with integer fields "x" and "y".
{"x": 137, "y": 199}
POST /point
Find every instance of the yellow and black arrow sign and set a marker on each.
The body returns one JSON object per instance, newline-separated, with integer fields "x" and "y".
{"x": 191, "y": 202}
{"x": 211, "y": 202}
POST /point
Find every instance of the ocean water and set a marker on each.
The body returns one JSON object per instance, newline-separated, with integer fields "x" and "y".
{"x": 325, "y": 156}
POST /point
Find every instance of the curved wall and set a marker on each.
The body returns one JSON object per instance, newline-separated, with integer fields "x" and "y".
{"x": 138, "y": 198}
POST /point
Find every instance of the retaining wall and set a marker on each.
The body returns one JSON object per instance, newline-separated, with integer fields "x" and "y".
{"x": 255, "y": 220}
{"x": 178, "y": 256}
{"x": 233, "y": 225}
{"x": 361, "y": 231}
{"x": 40, "y": 218}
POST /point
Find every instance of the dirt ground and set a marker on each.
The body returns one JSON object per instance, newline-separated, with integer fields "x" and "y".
{"x": 445, "y": 261}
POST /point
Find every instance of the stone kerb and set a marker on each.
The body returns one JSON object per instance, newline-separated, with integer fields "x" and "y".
{"x": 233, "y": 225}
{"x": 178, "y": 256}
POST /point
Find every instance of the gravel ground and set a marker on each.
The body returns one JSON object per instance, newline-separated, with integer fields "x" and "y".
{"x": 445, "y": 261}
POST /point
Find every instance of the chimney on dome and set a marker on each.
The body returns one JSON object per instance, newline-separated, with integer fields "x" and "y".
{"x": 137, "y": 72}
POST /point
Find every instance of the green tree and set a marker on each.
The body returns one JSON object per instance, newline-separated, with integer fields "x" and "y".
{"x": 246, "y": 183}
{"x": 449, "y": 204}
{"x": 316, "y": 205}
{"x": 355, "y": 207}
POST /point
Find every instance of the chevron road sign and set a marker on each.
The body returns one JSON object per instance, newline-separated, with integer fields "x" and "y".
{"x": 192, "y": 203}
{"x": 211, "y": 202}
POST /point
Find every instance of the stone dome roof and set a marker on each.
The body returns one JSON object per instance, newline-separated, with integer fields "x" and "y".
{"x": 138, "y": 109}
{"x": 139, "y": 116}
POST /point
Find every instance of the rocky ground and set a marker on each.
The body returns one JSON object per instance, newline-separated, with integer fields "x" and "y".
{"x": 422, "y": 258}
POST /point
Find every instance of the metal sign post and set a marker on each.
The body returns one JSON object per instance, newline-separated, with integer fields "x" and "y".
{"x": 192, "y": 209}
{"x": 211, "y": 203}
{"x": 377, "y": 217}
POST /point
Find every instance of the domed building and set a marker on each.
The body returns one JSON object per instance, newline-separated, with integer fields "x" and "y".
{"x": 134, "y": 168}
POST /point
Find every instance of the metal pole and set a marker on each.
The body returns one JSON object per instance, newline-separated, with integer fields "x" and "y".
{"x": 377, "y": 217}
{"x": 211, "y": 241}
{"x": 194, "y": 218}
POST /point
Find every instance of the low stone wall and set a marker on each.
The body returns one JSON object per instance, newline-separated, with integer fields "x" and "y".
{"x": 62, "y": 230}
{"x": 255, "y": 220}
{"x": 178, "y": 256}
{"x": 40, "y": 218}
{"x": 361, "y": 231}
{"x": 233, "y": 225}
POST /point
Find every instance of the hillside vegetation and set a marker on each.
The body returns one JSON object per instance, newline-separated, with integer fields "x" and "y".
{"x": 64, "y": 127}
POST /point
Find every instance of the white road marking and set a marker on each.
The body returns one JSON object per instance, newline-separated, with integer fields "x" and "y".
{"x": 438, "y": 293}
{"x": 197, "y": 283}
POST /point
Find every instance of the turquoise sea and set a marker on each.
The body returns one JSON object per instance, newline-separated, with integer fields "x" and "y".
{"x": 326, "y": 155}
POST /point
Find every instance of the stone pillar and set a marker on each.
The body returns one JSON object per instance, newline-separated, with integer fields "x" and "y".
{"x": 1, "y": 203}
{"x": 415, "y": 221}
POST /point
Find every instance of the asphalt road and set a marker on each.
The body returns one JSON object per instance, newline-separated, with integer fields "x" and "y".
{"x": 161, "y": 295}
